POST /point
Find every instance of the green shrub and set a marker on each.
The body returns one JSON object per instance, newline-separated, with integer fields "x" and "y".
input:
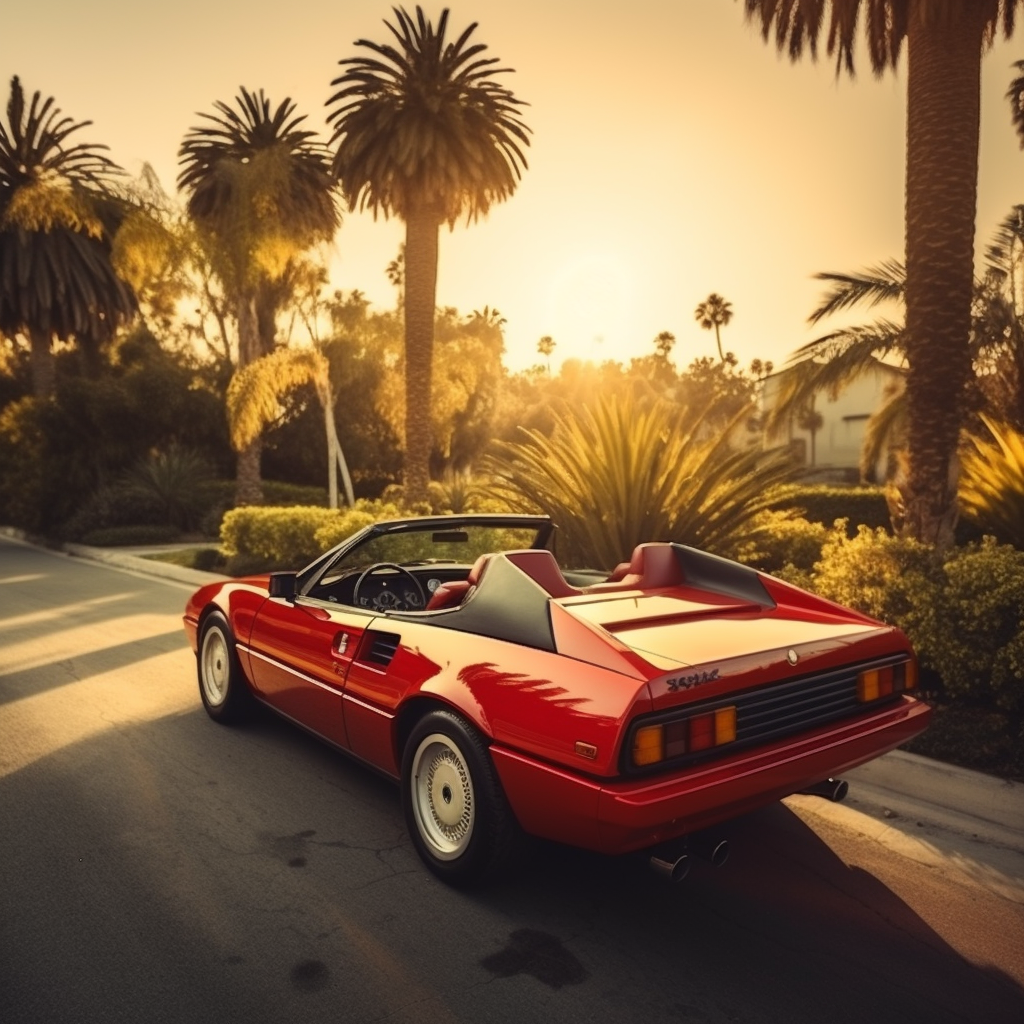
{"x": 349, "y": 520}
{"x": 823, "y": 503}
{"x": 171, "y": 480}
{"x": 208, "y": 560}
{"x": 779, "y": 542}
{"x": 113, "y": 508}
{"x": 293, "y": 536}
{"x": 277, "y": 535}
{"x": 964, "y": 612}
{"x": 978, "y": 642}
{"x": 894, "y": 579}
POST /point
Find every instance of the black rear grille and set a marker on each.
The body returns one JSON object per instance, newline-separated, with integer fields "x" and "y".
{"x": 379, "y": 648}
{"x": 770, "y": 712}
{"x": 784, "y": 708}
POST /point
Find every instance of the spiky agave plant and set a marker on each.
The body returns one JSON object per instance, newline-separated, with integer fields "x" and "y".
{"x": 628, "y": 470}
{"x": 992, "y": 482}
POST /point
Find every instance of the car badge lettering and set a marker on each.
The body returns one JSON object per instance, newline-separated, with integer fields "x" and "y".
{"x": 688, "y": 682}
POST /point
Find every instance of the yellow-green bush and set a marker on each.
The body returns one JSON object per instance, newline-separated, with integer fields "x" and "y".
{"x": 978, "y": 643}
{"x": 779, "y": 542}
{"x": 348, "y": 520}
{"x": 963, "y": 611}
{"x": 281, "y": 536}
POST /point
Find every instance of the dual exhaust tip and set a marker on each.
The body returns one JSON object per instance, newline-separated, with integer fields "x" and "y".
{"x": 673, "y": 862}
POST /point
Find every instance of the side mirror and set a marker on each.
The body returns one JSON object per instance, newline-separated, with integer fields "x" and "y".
{"x": 282, "y": 584}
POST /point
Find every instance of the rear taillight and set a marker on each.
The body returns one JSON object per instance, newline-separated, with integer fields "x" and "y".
{"x": 878, "y": 683}
{"x": 705, "y": 731}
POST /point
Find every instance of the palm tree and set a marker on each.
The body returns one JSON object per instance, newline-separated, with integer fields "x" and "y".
{"x": 58, "y": 217}
{"x": 663, "y": 344}
{"x": 714, "y": 312}
{"x": 424, "y": 132}
{"x": 545, "y": 347}
{"x": 945, "y": 40}
{"x": 260, "y": 189}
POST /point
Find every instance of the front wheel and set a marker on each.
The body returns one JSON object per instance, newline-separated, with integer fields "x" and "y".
{"x": 456, "y": 812}
{"x": 222, "y": 687}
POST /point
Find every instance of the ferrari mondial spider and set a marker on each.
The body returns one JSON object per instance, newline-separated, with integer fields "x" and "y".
{"x": 624, "y": 711}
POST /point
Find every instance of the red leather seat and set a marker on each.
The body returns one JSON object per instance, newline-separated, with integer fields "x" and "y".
{"x": 541, "y": 567}
{"x": 652, "y": 567}
{"x": 448, "y": 595}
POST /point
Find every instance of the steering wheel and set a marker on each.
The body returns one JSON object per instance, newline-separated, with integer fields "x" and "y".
{"x": 384, "y": 594}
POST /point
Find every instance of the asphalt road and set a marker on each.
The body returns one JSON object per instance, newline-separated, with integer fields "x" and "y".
{"x": 155, "y": 866}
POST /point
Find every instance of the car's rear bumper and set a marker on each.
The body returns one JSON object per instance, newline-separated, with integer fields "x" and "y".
{"x": 623, "y": 815}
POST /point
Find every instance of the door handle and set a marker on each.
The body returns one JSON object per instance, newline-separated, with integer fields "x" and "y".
{"x": 341, "y": 644}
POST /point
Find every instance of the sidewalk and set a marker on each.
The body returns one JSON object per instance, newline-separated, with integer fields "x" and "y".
{"x": 926, "y": 810}
{"x": 935, "y": 814}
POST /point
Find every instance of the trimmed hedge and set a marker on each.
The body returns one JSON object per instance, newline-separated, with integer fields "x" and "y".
{"x": 294, "y": 535}
{"x": 824, "y": 504}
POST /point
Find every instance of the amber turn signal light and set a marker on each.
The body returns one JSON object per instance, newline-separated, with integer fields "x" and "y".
{"x": 876, "y": 683}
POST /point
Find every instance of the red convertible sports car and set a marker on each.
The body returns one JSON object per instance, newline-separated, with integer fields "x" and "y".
{"x": 616, "y": 712}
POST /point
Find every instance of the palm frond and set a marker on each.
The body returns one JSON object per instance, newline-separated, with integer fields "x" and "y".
{"x": 255, "y": 392}
{"x": 992, "y": 482}
{"x": 424, "y": 124}
{"x": 831, "y": 363}
{"x": 628, "y": 470}
{"x": 881, "y": 283}
{"x": 1015, "y": 94}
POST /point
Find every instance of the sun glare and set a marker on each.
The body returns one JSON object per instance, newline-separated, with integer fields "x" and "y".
{"x": 587, "y": 307}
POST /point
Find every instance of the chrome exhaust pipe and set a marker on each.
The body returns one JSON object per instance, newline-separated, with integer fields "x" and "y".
{"x": 831, "y": 789}
{"x": 714, "y": 851}
{"x": 674, "y": 869}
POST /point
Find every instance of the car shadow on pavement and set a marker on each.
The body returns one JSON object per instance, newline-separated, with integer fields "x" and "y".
{"x": 173, "y": 869}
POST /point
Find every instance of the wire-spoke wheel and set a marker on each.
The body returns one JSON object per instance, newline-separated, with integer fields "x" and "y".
{"x": 456, "y": 811}
{"x": 442, "y": 796}
{"x": 222, "y": 688}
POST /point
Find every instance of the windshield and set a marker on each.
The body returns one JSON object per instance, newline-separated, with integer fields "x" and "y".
{"x": 461, "y": 546}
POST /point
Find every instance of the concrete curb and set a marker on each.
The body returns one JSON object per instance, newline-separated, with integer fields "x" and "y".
{"x": 122, "y": 559}
{"x": 908, "y": 785}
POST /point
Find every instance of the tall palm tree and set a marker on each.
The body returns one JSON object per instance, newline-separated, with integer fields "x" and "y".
{"x": 424, "y": 132}
{"x": 58, "y": 216}
{"x": 714, "y": 312}
{"x": 260, "y": 189}
{"x": 945, "y": 40}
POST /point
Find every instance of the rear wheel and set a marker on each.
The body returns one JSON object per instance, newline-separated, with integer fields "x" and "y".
{"x": 222, "y": 687}
{"x": 456, "y": 812}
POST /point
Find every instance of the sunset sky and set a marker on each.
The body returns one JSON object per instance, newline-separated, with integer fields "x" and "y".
{"x": 674, "y": 153}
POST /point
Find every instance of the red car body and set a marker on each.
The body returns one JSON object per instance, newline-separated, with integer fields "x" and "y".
{"x": 615, "y": 713}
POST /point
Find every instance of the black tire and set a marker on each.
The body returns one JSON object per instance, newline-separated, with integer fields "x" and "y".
{"x": 222, "y": 685}
{"x": 455, "y": 809}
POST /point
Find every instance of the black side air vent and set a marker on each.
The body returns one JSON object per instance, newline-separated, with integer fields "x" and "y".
{"x": 379, "y": 648}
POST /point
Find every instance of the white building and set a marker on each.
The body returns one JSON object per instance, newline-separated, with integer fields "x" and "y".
{"x": 829, "y": 444}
